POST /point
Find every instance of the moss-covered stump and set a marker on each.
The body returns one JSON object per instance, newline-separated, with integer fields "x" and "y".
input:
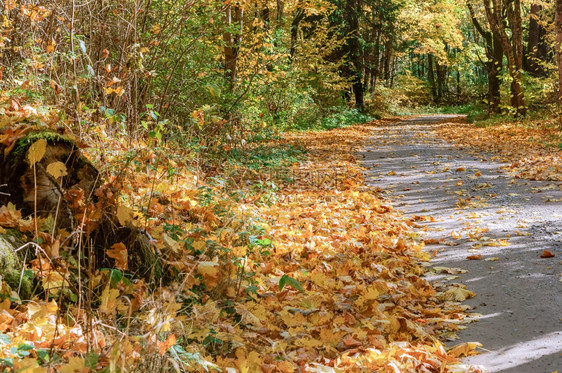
{"x": 23, "y": 183}
{"x": 11, "y": 264}
{"x": 34, "y": 190}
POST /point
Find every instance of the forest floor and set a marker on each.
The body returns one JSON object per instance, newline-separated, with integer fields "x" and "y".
{"x": 330, "y": 272}
{"x": 482, "y": 214}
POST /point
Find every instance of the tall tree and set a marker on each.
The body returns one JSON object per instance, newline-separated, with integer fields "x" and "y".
{"x": 232, "y": 39}
{"x": 353, "y": 67}
{"x": 513, "y": 47}
{"x": 537, "y": 47}
{"x": 494, "y": 64}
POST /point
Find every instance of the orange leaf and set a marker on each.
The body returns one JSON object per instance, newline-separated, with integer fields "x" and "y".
{"x": 164, "y": 346}
{"x": 547, "y": 254}
{"x": 119, "y": 253}
{"x": 474, "y": 257}
{"x": 431, "y": 241}
{"x": 349, "y": 341}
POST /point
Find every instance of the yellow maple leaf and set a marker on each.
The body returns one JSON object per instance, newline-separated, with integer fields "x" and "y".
{"x": 198, "y": 245}
{"x": 210, "y": 273}
{"x": 464, "y": 349}
{"x": 108, "y": 300}
{"x": 249, "y": 363}
{"x": 458, "y": 294}
{"x": 74, "y": 365}
{"x": 124, "y": 215}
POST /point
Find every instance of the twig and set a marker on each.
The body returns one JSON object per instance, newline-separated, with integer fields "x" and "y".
{"x": 2, "y": 193}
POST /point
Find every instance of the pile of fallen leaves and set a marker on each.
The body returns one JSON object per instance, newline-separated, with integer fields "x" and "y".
{"x": 319, "y": 276}
{"x": 533, "y": 151}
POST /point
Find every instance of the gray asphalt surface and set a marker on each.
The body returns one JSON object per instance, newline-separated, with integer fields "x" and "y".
{"x": 508, "y": 222}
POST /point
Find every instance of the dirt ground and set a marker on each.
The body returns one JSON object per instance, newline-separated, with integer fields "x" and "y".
{"x": 503, "y": 223}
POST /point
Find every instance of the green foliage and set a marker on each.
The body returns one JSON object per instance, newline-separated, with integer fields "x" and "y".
{"x": 286, "y": 280}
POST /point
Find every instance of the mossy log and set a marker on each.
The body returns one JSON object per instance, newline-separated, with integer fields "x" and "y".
{"x": 23, "y": 183}
{"x": 11, "y": 263}
{"x": 35, "y": 191}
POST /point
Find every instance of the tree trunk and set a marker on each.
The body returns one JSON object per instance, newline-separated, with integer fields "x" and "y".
{"x": 559, "y": 47}
{"x": 233, "y": 18}
{"x": 431, "y": 77}
{"x": 376, "y": 62}
{"x": 513, "y": 49}
{"x": 535, "y": 50}
{"x": 441, "y": 80}
{"x": 494, "y": 65}
{"x": 299, "y": 16}
{"x": 354, "y": 66}
{"x": 387, "y": 61}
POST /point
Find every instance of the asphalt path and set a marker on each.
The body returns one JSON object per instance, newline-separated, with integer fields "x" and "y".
{"x": 473, "y": 208}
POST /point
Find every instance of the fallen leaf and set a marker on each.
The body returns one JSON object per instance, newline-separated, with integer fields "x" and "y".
{"x": 118, "y": 252}
{"x": 464, "y": 349}
{"x": 57, "y": 169}
{"x": 124, "y": 215}
{"x": 163, "y": 347}
{"x": 36, "y": 151}
{"x": 209, "y": 271}
{"x": 108, "y": 300}
{"x": 547, "y": 254}
{"x": 474, "y": 257}
{"x": 431, "y": 241}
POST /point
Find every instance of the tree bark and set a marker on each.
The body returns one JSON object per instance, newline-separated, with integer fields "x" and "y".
{"x": 233, "y": 17}
{"x": 441, "y": 73}
{"x": 513, "y": 48}
{"x": 494, "y": 65}
{"x": 387, "y": 60}
{"x": 536, "y": 47}
{"x": 431, "y": 77}
{"x": 354, "y": 65}
{"x": 299, "y": 16}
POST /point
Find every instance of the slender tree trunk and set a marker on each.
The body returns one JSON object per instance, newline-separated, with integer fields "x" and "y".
{"x": 376, "y": 61}
{"x": 233, "y": 16}
{"x": 495, "y": 66}
{"x": 280, "y": 13}
{"x": 299, "y": 16}
{"x": 513, "y": 49}
{"x": 431, "y": 77}
{"x": 354, "y": 49}
{"x": 559, "y": 47}
{"x": 535, "y": 47}
{"x": 387, "y": 60}
{"x": 441, "y": 72}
